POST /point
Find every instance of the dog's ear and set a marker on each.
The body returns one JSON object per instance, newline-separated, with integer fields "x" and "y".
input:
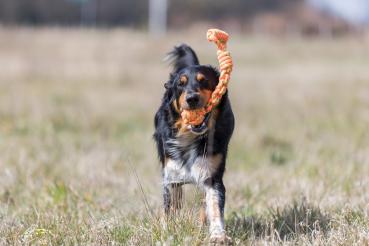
{"x": 168, "y": 85}
{"x": 181, "y": 57}
{"x": 214, "y": 70}
{"x": 169, "y": 89}
{"x": 213, "y": 75}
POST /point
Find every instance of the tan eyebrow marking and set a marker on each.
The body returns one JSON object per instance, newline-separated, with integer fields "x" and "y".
{"x": 183, "y": 79}
{"x": 200, "y": 77}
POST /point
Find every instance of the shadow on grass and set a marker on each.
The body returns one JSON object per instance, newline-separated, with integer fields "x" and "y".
{"x": 300, "y": 218}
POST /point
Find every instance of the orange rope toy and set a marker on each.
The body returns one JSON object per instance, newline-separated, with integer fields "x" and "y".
{"x": 220, "y": 38}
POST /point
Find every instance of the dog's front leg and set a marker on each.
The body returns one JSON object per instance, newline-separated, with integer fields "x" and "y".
{"x": 215, "y": 200}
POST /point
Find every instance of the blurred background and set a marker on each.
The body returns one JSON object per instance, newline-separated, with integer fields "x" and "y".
{"x": 80, "y": 81}
{"x": 301, "y": 17}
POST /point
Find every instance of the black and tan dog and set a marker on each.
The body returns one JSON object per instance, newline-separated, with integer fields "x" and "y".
{"x": 194, "y": 154}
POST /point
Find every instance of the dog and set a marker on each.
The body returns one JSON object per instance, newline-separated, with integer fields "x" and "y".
{"x": 193, "y": 154}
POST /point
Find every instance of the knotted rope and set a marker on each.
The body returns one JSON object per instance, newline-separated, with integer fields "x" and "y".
{"x": 196, "y": 117}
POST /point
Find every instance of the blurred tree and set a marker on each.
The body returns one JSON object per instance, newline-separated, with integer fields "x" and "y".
{"x": 243, "y": 14}
{"x": 158, "y": 17}
{"x": 69, "y": 12}
{"x": 127, "y": 12}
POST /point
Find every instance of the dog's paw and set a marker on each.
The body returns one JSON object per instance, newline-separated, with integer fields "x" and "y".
{"x": 220, "y": 239}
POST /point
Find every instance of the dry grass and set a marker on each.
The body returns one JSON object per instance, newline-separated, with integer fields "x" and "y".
{"x": 76, "y": 109}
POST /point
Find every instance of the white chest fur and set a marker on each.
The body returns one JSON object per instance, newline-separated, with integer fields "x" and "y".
{"x": 196, "y": 172}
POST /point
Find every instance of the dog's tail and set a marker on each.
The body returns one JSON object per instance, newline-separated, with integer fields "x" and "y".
{"x": 182, "y": 56}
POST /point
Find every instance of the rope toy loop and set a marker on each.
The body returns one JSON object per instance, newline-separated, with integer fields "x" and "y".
{"x": 220, "y": 38}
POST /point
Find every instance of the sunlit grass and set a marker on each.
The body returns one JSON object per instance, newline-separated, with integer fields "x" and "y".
{"x": 78, "y": 164}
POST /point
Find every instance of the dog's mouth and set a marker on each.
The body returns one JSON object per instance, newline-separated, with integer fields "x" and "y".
{"x": 202, "y": 128}
{"x": 186, "y": 106}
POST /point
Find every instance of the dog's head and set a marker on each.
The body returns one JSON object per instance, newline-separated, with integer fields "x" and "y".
{"x": 192, "y": 87}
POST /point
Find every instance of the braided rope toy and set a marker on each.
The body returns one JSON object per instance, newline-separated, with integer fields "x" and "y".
{"x": 196, "y": 117}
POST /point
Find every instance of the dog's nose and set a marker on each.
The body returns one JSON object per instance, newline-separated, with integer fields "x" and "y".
{"x": 193, "y": 99}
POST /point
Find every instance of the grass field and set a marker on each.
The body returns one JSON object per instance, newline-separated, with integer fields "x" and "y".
{"x": 78, "y": 165}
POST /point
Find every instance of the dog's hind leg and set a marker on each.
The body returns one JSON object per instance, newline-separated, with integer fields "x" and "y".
{"x": 173, "y": 198}
{"x": 202, "y": 212}
{"x": 176, "y": 197}
{"x": 166, "y": 199}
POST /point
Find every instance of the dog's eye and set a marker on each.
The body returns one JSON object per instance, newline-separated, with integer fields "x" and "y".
{"x": 183, "y": 80}
{"x": 200, "y": 77}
